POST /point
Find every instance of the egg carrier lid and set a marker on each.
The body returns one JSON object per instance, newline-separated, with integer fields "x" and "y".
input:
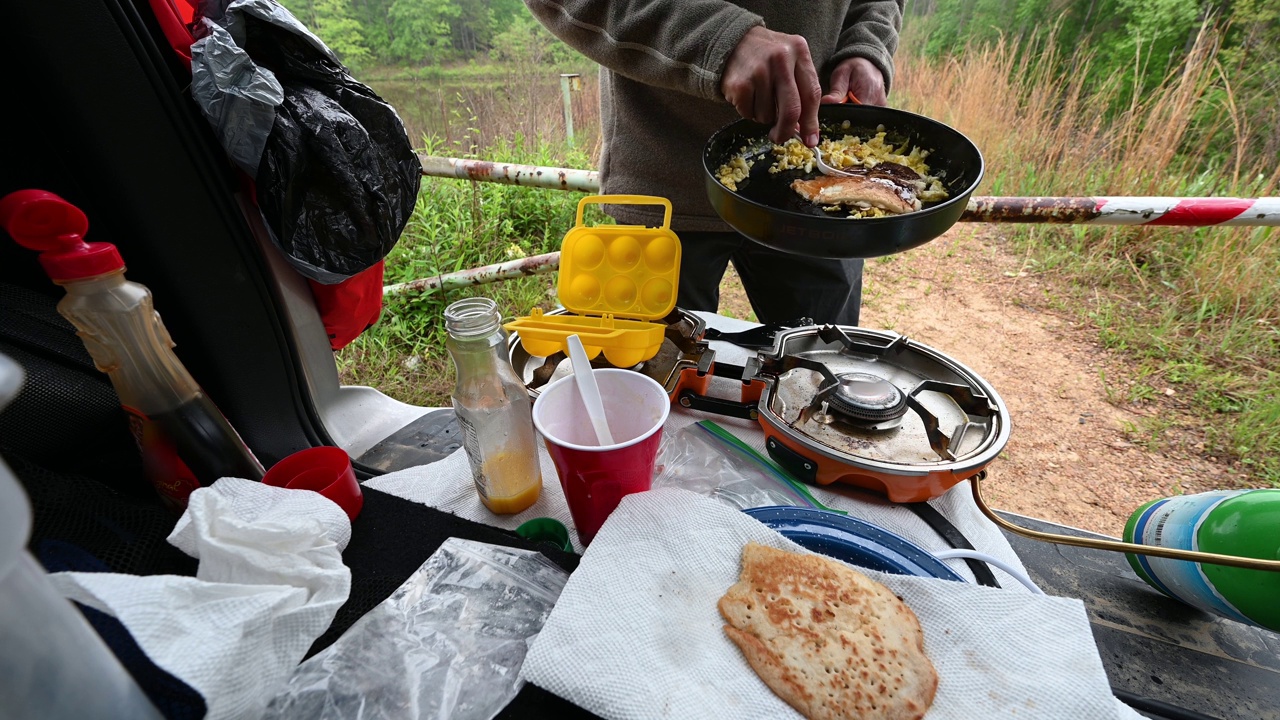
{"x": 614, "y": 279}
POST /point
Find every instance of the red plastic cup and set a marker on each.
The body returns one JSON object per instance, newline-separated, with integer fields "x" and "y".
{"x": 326, "y": 470}
{"x": 595, "y": 478}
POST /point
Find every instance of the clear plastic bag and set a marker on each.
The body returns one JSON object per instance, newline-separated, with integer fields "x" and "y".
{"x": 706, "y": 459}
{"x": 448, "y": 643}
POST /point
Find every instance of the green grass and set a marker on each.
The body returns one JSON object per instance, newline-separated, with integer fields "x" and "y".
{"x": 1192, "y": 311}
{"x": 1217, "y": 357}
{"x": 458, "y": 225}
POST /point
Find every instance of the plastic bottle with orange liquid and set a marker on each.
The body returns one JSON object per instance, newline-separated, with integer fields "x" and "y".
{"x": 493, "y": 408}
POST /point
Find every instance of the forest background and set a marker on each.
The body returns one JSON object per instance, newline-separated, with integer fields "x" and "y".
{"x": 1064, "y": 97}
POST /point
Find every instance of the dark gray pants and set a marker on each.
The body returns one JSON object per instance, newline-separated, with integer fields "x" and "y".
{"x": 781, "y": 286}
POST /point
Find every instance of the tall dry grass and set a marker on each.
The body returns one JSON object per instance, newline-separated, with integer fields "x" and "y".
{"x": 1037, "y": 123}
{"x": 530, "y": 104}
{"x": 1200, "y": 307}
{"x": 469, "y": 110}
{"x": 1043, "y": 133}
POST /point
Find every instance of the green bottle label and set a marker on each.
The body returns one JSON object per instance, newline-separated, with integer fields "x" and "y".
{"x": 1174, "y": 523}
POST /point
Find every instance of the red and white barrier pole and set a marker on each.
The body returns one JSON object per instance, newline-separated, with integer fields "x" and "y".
{"x": 1166, "y": 211}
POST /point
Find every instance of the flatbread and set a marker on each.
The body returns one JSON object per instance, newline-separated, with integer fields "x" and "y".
{"x": 827, "y": 639}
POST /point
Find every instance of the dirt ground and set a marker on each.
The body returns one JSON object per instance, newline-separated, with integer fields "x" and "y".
{"x": 1074, "y": 456}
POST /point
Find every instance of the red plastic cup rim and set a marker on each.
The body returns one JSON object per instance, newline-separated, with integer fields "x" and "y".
{"x": 562, "y": 383}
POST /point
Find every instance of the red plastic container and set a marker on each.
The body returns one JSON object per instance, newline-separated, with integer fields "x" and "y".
{"x": 595, "y": 478}
{"x": 326, "y": 470}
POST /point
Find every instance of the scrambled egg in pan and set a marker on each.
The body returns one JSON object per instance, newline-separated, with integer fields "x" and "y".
{"x": 853, "y": 154}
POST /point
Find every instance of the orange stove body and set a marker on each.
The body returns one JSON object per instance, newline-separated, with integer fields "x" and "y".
{"x": 810, "y": 464}
{"x": 898, "y": 488}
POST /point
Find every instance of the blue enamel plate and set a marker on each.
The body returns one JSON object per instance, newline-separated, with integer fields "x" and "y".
{"x": 853, "y": 541}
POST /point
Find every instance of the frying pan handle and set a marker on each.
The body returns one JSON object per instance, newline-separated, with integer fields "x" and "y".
{"x": 627, "y": 200}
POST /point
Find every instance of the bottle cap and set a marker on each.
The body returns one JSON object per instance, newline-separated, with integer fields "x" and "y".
{"x": 549, "y": 530}
{"x": 324, "y": 469}
{"x": 39, "y": 220}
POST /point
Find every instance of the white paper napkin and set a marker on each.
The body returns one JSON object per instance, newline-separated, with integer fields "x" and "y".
{"x": 636, "y": 632}
{"x": 447, "y": 485}
{"x": 270, "y": 581}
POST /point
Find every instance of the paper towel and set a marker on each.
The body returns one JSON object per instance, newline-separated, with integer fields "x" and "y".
{"x": 636, "y": 632}
{"x": 270, "y": 581}
{"x": 447, "y": 485}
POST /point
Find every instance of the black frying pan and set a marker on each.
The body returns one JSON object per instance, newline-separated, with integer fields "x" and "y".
{"x": 767, "y": 210}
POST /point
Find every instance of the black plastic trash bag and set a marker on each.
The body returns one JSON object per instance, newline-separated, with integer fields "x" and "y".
{"x": 336, "y": 176}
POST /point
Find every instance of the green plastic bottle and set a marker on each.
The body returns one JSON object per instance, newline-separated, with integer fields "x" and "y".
{"x": 1230, "y": 522}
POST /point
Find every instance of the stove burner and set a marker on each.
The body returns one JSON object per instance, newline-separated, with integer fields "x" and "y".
{"x": 862, "y": 398}
{"x": 815, "y": 375}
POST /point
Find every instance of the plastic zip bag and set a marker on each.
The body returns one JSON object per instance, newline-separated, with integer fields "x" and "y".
{"x": 707, "y": 459}
{"x": 448, "y": 643}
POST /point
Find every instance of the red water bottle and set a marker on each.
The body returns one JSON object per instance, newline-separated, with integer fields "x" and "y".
{"x": 185, "y": 440}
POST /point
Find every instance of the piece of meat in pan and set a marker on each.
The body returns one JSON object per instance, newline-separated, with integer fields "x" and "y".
{"x": 900, "y": 174}
{"x": 858, "y": 191}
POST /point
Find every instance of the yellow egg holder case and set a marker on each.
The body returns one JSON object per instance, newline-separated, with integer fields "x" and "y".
{"x": 613, "y": 279}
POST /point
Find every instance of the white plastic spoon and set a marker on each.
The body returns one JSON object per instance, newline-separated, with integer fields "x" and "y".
{"x": 590, "y": 392}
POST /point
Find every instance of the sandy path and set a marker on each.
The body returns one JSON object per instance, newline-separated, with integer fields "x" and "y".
{"x": 1072, "y": 456}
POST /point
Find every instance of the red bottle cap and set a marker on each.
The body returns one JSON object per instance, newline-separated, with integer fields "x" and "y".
{"x": 326, "y": 470}
{"x": 39, "y": 220}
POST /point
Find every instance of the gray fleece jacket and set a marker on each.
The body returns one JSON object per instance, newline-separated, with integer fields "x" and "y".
{"x": 661, "y": 62}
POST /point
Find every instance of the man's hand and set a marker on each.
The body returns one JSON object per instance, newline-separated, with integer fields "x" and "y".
{"x": 770, "y": 78}
{"x": 859, "y": 76}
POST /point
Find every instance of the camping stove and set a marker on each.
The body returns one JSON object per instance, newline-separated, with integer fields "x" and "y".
{"x": 874, "y": 409}
{"x": 836, "y": 403}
